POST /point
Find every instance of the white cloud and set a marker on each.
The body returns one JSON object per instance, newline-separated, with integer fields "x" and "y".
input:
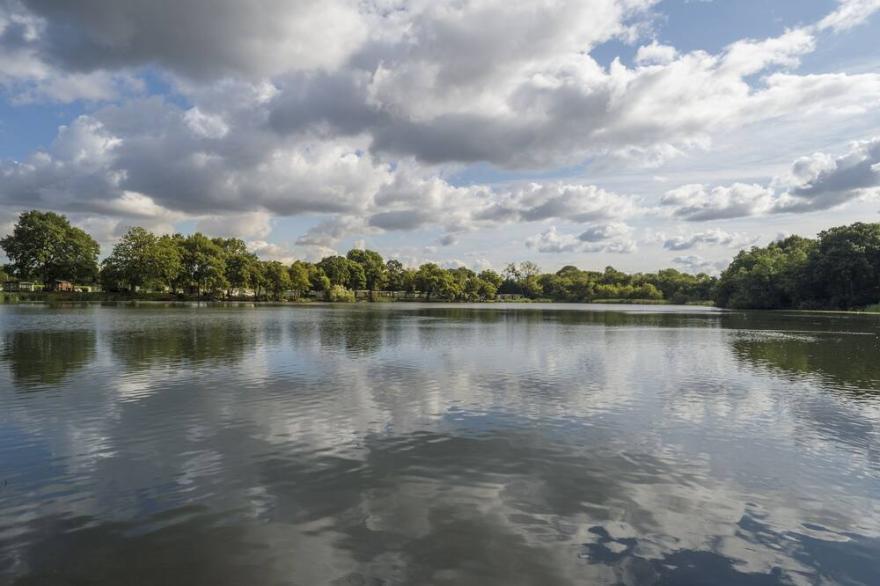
{"x": 610, "y": 239}
{"x": 358, "y": 113}
{"x": 697, "y": 264}
{"x": 814, "y": 183}
{"x": 252, "y": 225}
{"x": 699, "y": 202}
{"x": 656, "y": 54}
{"x": 714, "y": 237}
{"x": 849, "y": 14}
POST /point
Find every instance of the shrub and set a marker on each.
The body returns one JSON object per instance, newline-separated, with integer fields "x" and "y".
{"x": 339, "y": 294}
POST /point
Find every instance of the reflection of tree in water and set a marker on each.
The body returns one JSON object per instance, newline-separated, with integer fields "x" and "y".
{"x": 201, "y": 340}
{"x": 846, "y": 360}
{"x": 562, "y": 314}
{"x": 356, "y": 331}
{"x": 41, "y": 357}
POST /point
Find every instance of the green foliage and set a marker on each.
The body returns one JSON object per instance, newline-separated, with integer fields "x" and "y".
{"x": 435, "y": 281}
{"x": 139, "y": 259}
{"x": 357, "y": 278}
{"x": 44, "y": 246}
{"x": 300, "y": 281}
{"x": 373, "y": 266}
{"x": 277, "y": 279}
{"x": 204, "y": 264}
{"x": 337, "y": 269}
{"x": 241, "y": 265}
{"x": 845, "y": 266}
{"x": 491, "y": 277}
{"x": 839, "y": 270}
{"x": 339, "y": 294}
{"x": 399, "y": 277}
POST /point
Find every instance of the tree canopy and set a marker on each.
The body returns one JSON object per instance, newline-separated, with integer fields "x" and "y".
{"x": 45, "y": 246}
{"x": 139, "y": 259}
{"x": 840, "y": 269}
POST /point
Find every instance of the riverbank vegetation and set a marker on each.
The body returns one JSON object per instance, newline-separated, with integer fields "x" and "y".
{"x": 838, "y": 270}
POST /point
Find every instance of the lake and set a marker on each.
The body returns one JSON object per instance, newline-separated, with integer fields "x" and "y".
{"x": 437, "y": 444}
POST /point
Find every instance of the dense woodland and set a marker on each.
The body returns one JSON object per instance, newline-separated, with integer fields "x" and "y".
{"x": 839, "y": 269}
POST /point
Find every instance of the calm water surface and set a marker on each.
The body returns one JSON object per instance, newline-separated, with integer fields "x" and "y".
{"x": 437, "y": 444}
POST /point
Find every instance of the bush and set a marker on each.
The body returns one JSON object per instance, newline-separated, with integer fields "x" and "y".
{"x": 339, "y": 294}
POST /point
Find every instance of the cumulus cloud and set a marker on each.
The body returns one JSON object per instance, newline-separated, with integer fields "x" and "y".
{"x": 656, "y": 54}
{"x": 697, "y": 264}
{"x": 850, "y": 13}
{"x": 250, "y": 225}
{"x": 714, "y": 237}
{"x": 612, "y": 238}
{"x": 817, "y": 182}
{"x": 470, "y": 81}
{"x": 824, "y": 182}
{"x": 358, "y": 112}
{"x": 196, "y": 38}
{"x": 699, "y": 203}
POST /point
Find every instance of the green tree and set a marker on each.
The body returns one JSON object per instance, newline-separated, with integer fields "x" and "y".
{"x": 492, "y": 277}
{"x": 259, "y": 279}
{"x": 337, "y": 269}
{"x": 400, "y": 278}
{"x": 299, "y": 278}
{"x": 845, "y": 266}
{"x": 771, "y": 277}
{"x": 140, "y": 259}
{"x": 435, "y": 281}
{"x": 44, "y": 246}
{"x": 239, "y": 262}
{"x": 204, "y": 263}
{"x": 318, "y": 280}
{"x": 277, "y": 279}
{"x": 357, "y": 278}
{"x": 375, "y": 270}
{"x": 394, "y": 271}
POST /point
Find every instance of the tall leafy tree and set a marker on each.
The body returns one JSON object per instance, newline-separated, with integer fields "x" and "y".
{"x": 845, "y": 266}
{"x": 337, "y": 269}
{"x": 139, "y": 259}
{"x": 240, "y": 264}
{"x": 436, "y": 281}
{"x": 299, "y": 278}
{"x": 204, "y": 263}
{"x": 492, "y": 277}
{"x": 277, "y": 279}
{"x": 771, "y": 277}
{"x": 373, "y": 265}
{"x": 45, "y": 246}
{"x": 357, "y": 278}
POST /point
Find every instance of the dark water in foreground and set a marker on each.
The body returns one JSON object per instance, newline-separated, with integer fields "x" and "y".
{"x": 418, "y": 444}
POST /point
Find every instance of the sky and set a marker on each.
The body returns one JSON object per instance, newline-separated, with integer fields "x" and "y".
{"x": 636, "y": 133}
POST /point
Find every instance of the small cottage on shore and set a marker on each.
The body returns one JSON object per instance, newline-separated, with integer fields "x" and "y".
{"x": 60, "y": 286}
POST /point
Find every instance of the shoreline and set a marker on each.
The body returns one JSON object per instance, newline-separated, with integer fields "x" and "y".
{"x": 56, "y": 297}
{"x": 52, "y": 298}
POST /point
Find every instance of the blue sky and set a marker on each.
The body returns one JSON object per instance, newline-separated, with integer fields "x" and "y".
{"x": 639, "y": 133}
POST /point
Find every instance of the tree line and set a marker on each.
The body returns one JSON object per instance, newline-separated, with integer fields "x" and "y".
{"x": 44, "y": 246}
{"x": 839, "y": 269}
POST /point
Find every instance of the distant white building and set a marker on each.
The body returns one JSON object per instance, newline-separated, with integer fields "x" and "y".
{"x": 20, "y": 286}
